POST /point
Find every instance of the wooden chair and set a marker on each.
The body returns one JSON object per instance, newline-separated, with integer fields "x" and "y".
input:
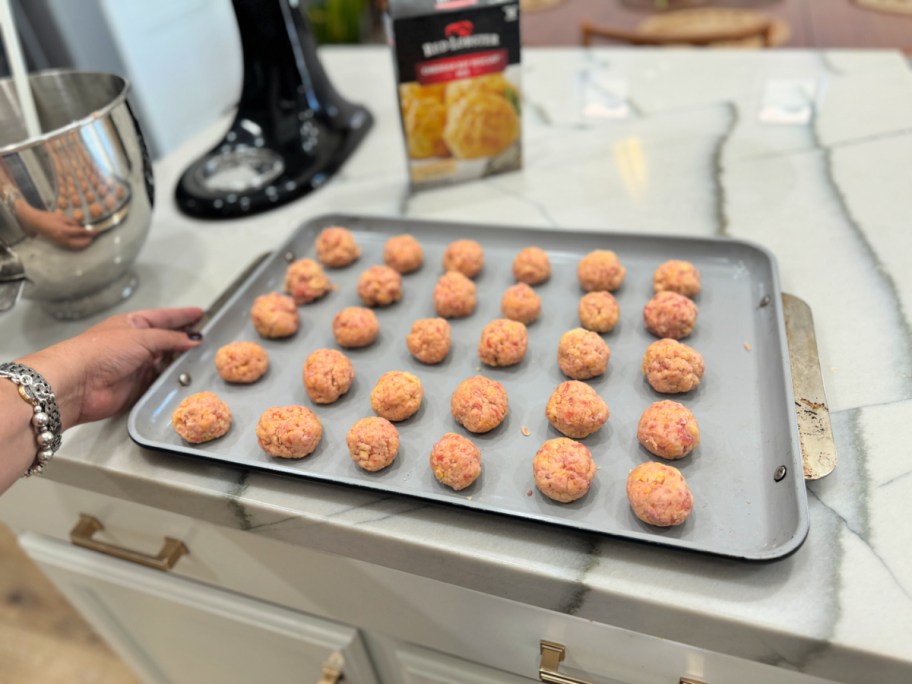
{"x": 887, "y": 6}
{"x": 538, "y": 5}
{"x": 702, "y": 27}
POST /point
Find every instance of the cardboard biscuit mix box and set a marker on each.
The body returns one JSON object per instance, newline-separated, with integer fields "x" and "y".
{"x": 457, "y": 68}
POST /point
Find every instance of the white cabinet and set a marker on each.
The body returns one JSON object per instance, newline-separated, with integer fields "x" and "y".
{"x": 400, "y": 662}
{"x": 176, "y": 631}
{"x": 242, "y": 603}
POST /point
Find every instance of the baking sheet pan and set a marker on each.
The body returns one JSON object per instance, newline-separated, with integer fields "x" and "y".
{"x": 746, "y": 475}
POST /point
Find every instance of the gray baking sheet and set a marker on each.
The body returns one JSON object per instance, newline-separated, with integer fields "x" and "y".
{"x": 744, "y": 406}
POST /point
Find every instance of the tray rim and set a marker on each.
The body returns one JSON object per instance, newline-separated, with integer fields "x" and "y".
{"x": 765, "y": 554}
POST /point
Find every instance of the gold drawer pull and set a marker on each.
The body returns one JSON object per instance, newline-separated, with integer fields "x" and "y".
{"x": 332, "y": 669}
{"x": 88, "y": 525}
{"x": 551, "y": 656}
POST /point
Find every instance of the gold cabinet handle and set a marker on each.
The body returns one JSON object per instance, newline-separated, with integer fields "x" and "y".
{"x": 551, "y": 656}
{"x": 88, "y": 525}
{"x": 332, "y": 669}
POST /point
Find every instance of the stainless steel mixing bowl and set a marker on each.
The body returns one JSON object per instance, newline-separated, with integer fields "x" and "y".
{"x": 76, "y": 201}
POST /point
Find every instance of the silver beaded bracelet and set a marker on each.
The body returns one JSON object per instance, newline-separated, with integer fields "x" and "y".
{"x": 46, "y": 416}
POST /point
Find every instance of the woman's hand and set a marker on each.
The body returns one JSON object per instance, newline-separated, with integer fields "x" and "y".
{"x": 57, "y": 227}
{"x": 106, "y": 369}
{"x": 94, "y": 375}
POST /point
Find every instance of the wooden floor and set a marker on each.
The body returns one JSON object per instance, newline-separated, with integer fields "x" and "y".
{"x": 42, "y": 639}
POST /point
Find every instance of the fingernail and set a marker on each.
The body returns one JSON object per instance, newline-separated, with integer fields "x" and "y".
{"x": 195, "y": 336}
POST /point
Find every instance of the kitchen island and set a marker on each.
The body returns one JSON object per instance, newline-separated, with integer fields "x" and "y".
{"x": 805, "y": 153}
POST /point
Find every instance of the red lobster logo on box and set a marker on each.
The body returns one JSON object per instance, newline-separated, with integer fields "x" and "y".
{"x": 459, "y": 28}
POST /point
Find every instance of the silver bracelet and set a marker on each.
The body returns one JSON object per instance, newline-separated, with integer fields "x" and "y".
{"x": 46, "y": 416}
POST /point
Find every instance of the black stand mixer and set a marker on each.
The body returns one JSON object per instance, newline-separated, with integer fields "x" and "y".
{"x": 292, "y": 130}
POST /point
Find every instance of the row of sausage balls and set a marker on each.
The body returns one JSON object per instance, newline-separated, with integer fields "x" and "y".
{"x": 563, "y": 468}
{"x": 336, "y": 247}
{"x": 670, "y": 313}
{"x": 582, "y": 354}
{"x": 670, "y": 366}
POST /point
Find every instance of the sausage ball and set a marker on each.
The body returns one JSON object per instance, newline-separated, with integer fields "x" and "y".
{"x": 563, "y": 469}
{"x": 241, "y": 362}
{"x": 600, "y": 270}
{"x": 658, "y": 494}
{"x": 582, "y": 354}
{"x": 455, "y": 461}
{"x": 465, "y": 256}
{"x": 454, "y": 295}
{"x": 403, "y": 253}
{"x": 671, "y": 367}
{"x": 380, "y": 286}
{"x": 336, "y": 247}
{"x": 479, "y": 404}
{"x": 306, "y": 281}
{"x": 201, "y": 417}
{"x": 599, "y": 311}
{"x": 677, "y": 276}
{"x": 669, "y": 314}
{"x": 576, "y": 410}
{"x": 397, "y": 395}
{"x": 668, "y": 429}
{"x": 328, "y": 374}
{"x": 373, "y": 443}
{"x": 532, "y": 266}
{"x": 289, "y": 431}
{"x": 355, "y": 326}
{"x": 520, "y": 303}
{"x": 429, "y": 340}
{"x": 503, "y": 343}
{"x": 275, "y": 315}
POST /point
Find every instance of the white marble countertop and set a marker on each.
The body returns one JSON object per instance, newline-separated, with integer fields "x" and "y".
{"x": 831, "y": 197}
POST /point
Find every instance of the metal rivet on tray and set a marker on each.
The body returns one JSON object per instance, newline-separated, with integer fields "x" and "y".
{"x": 289, "y": 256}
{"x": 184, "y": 379}
{"x": 779, "y": 474}
{"x": 765, "y": 301}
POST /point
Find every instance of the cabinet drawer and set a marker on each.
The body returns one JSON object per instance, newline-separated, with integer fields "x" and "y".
{"x": 397, "y": 661}
{"x": 479, "y": 628}
{"x": 125, "y": 525}
{"x": 175, "y": 631}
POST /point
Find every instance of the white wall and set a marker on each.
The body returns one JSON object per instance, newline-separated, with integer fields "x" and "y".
{"x": 183, "y": 58}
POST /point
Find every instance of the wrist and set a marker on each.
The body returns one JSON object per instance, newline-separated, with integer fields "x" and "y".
{"x": 44, "y": 416}
{"x": 64, "y": 382}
